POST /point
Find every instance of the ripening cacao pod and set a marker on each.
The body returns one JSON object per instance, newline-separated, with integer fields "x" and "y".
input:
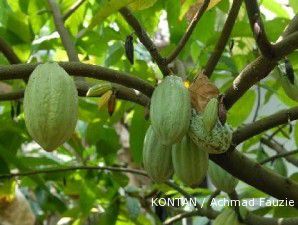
{"x": 99, "y": 89}
{"x": 221, "y": 179}
{"x": 157, "y": 157}
{"x": 227, "y": 217}
{"x": 217, "y": 141}
{"x": 190, "y": 163}
{"x": 170, "y": 110}
{"x": 50, "y": 106}
{"x": 210, "y": 114}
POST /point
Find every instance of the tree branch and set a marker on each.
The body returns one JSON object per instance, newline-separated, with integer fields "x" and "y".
{"x": 63, "y": 32}
{"x": 188, "y": 32}
{"x": 145, "y": 39}
{"x": 73, "y": 168}
{"x": 257, "y": 27}
{"x": 8, "y": 52}
{"x": 72, "y": 9}
{"x": 262, "y": 66}
{"x": 278, "y": 156}
{"x": 264, "y": 124}
{"x": 80, "y": 69}
{"x": 258, "y": 176}
{"x": 122, "y": 92}
{"x": 223, "y": 39}
{"x": 280, "y": 150}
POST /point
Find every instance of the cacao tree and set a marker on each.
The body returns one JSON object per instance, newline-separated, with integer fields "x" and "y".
{"x": 148, "y": 112}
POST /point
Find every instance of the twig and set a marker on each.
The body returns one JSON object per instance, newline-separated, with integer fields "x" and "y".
{"x": 188, "y": 32}
{"x": 264, "y": 124}
{"x": 258, "y": 104}
{"x": 281, "y": 155}
{"x": 8, "y": 52}
{"x": 257, "y": 27}
{"x": 145, "y": 40}
{"x": 63, "y": 32}
{"x": 121, "y": 93}
{"x": 234, "y": 196}
{"x": 72, "y": 9}
{"x": 280, "y": 150}
{"x": 276, "y": 131}
{"x": 74, "y": 168}
{"x": 181, "y": 216}
{"x": 262, "y": 66}
{"x": 212, "y": 196}
{"x": 21, "y": 71}
{"x": 223, "y": 39}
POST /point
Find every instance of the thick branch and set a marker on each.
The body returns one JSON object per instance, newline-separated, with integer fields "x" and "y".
{"x": 264, "y": 124}
{"x": 8, "y": 52}
{"x": 63, "y": 32}
{"x": 80, "y": 69}
{"x": 188, "y": 32}
{"x": 72, "y": 9}
{"x": 258, "y": 29}
{"x": 258, "y": 176}
{"x": 280, "y": 150}
{"x": 223, "y": 39}
{"x": 145, "y": 39}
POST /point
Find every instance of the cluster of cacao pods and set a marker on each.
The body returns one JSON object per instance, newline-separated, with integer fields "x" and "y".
{"x": 181, "y": 138}
{"x": 50, "y": 105}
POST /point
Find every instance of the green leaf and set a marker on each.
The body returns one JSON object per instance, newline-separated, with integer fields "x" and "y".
{"x": 133, "y": 207}
{"x": 242, "y": 109}
{"x": 141, "y": 4}
{"x": 294, "y": 4}
{"x": 276, "y": 8}
{"x": 107, "y": 8}
{"x": 137, "y": 134}
{"x": 280, "y": 167}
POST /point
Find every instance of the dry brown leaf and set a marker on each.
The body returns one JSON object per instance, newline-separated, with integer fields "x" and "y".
{"x": 201, "y": 91}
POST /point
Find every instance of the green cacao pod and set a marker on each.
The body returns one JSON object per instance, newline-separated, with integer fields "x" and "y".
{"x": 210, "y": 114}
{"x": 99, "y": 89}
{"x": 190, "y": 163}
{"x": 215, "y": 142}
{"x": 170, "y": 110}
{"x": 227, "y": 217}
{"x": 221, "y": 179}
{"x": 157, "y": 157}
{"x": 50, "y": 106}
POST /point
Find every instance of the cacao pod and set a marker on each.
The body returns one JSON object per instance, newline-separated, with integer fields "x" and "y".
{"x": 227, "y": 217}
{"x": 50, "y": 106}
{"x": 190, "y": 163}
{"x": 170, "y": 110}
{"x": 215, "y": 142}
{"x": 221, "y": 179}
{"x": 99, "y": 89}
{"x": 157, "y": 157}
{"x": 210, "y": 114}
